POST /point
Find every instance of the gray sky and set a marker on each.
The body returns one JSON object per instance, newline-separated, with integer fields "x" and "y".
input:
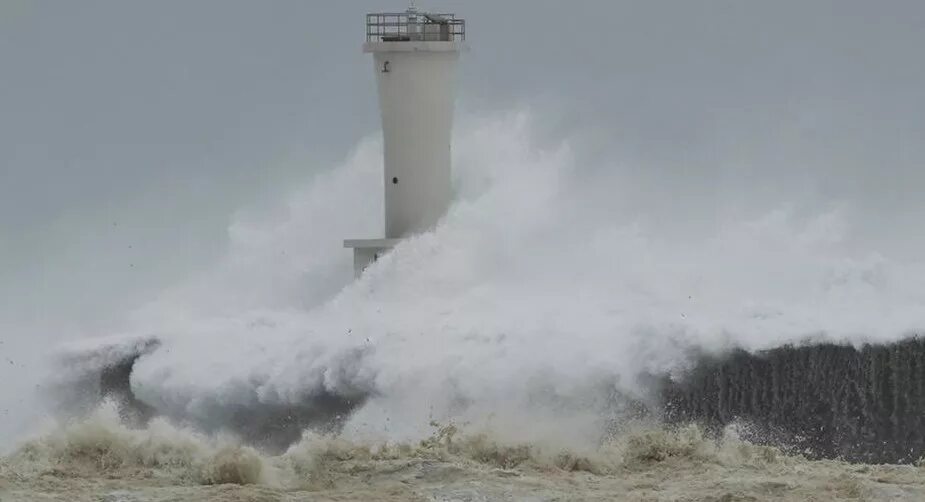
{"x": 131, "y": 131}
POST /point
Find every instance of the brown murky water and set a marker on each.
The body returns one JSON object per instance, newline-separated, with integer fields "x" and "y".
{"x": 100, "y": 460}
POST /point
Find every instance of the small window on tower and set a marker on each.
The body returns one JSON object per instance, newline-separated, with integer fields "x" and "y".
{"x": 395, "y": 181}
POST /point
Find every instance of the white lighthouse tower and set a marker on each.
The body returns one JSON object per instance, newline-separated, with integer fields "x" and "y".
{"x": 414, "y": 56}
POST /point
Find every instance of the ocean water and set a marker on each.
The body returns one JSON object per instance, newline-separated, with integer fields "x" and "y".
{"x": 100, "y": 459}
{"x": 496, "y": 357}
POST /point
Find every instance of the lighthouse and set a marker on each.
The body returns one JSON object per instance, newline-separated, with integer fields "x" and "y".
{"x": 414, "y": 58}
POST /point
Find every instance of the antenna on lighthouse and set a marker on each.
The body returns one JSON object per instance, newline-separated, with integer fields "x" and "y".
{"x": 415, "y": 55}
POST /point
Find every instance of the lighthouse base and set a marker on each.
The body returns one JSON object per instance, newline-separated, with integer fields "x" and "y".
{"x": 366, "y": 251}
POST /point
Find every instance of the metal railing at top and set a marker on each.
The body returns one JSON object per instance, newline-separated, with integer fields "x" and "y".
{"x": 414, "y": 26}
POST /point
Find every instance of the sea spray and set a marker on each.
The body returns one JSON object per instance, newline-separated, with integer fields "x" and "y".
{"x": 535, "y": 310}
{"x": 533, "y": 298}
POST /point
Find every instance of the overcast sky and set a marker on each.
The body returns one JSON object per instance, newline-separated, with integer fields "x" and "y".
{"x": 131, "y": 131}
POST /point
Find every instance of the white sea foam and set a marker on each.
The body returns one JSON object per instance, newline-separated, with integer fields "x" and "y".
{"x": 536, "y": 301}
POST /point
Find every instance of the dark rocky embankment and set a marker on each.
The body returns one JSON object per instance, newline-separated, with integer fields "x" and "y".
{"x": 864, "y": 404}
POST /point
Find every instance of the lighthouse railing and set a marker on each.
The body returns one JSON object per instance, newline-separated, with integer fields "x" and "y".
{"x": 414, "y": 26}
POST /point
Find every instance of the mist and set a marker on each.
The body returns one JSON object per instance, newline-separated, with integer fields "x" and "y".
{"x": 683, "y": 175}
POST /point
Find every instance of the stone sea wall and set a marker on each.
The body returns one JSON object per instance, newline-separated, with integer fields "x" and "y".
{"x": 864, "y": 404}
